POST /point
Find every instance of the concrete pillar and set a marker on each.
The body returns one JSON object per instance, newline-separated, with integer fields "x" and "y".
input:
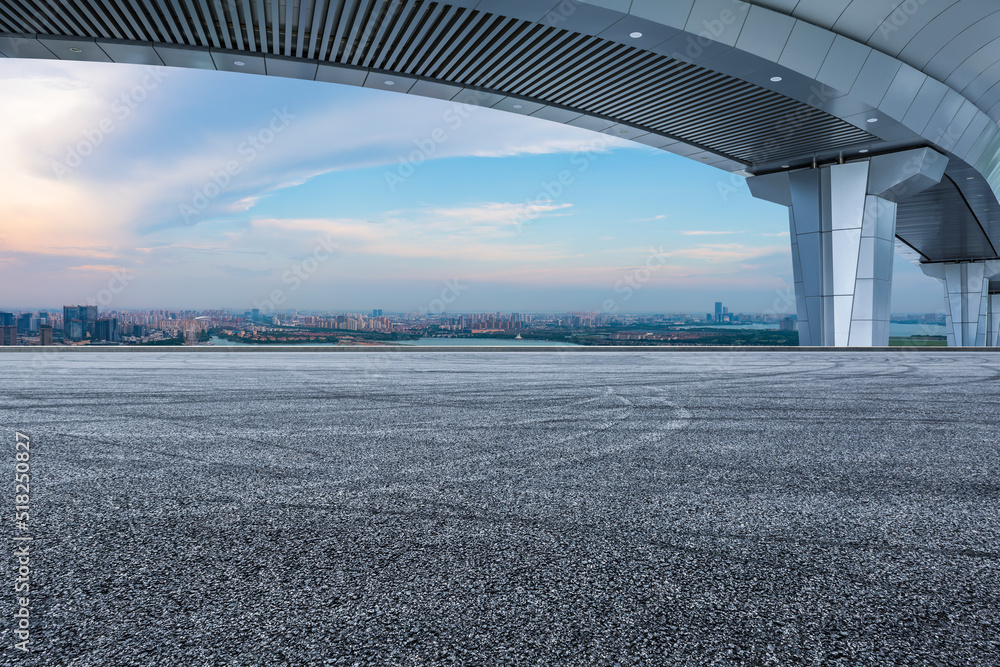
{"x": 842, "y": 223}
{"x": 993, "y": 320}
{"x": 966, "y": 300}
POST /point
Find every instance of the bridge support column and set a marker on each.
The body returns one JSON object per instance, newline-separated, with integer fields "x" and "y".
{"x": 967, "y": 301}
{"x": 842, "y": 223}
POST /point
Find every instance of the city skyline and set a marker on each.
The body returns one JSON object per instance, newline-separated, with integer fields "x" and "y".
{"x": 121, "y": 183}
{"x": 89, "y": 325}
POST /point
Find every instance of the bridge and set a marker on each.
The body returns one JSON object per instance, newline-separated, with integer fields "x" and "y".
{"x": 875, "y": 123}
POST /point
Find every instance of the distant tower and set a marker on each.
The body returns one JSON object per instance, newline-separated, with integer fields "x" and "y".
{"x": 45, "y": 334}
{"x": 107, "y": 330}
{"x": 89, "y": 316}
{"x": 70, "y": 313}
{"x": 8, "y": 334}
{"x": 718, "y": 311}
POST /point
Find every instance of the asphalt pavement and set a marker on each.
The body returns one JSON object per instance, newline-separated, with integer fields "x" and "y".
{"x": 834, "y": 508}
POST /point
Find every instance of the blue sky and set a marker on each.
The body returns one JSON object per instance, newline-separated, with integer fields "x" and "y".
{"x": 213, "y": 190}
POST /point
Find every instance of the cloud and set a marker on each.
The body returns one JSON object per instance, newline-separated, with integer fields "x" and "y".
{"x": 704, "y": 232}
{"x": 101, "y": 268}
{"x": 728, "y": 253}
{"x": 485, "y": 232}
{"x": 136, "y": 179}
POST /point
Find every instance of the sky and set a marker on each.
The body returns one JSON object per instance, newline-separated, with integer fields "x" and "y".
{"x": 135, "y": 187}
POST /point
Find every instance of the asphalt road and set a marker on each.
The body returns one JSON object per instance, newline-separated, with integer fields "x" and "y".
{"x": 486, "y": 509}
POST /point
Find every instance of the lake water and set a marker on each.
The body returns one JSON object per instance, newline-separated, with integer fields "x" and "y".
{"x": 733, "y": 327}
{"x": 428, "y": 342}
{"x": 895, "y": 328}
{"x": 492, "y": 342}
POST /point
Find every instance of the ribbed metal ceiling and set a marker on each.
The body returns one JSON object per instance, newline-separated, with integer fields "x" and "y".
{"x": 918, "y": 223}
{"x": 478, "y": 49}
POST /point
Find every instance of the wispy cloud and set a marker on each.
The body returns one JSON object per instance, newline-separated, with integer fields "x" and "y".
{"x": 101, "y": 268}
{"x": 486, "y": 232}
{"x": 133, "y": 183}
{"x": 729, "y": 253}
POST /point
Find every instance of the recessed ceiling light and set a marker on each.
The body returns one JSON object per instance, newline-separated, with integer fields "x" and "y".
{"x": 970, "y": 178}
{"x": 635, "y": 35}
{"x": 75, "y": 50}
{"x": 863, "y": 150}
{"x": 776, "y": 79}
{"x": 873, "y": 120}
{"x": 390, "y": 83}
{"x": 784, "y": 166}
{"x": 239, "y": 63}
{"x": 518, "y": 106}
{"x": 623, "y": 131}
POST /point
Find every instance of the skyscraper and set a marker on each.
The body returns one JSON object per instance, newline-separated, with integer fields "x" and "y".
{"x": 70, "y": 313}
{"x": 718, "y": 311}
{"x": 107, "y": 330}
{"x": 88, "y": 321}
{"x": 89, "y": 318}
{"x": 45, "y": 334}
{"x": 75, "y": 329}
{"x": 8, "y": 334}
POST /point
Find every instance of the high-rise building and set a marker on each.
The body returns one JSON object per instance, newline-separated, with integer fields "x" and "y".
{"x": 107, "y": 330}
{"x": 70, "y": 313}
{"x": 8, "y": 334}
{"x": 376, "y": 312}
{"x": 75, "y": 330}
{"x": 88, "y": 321}
{"x": 45, "y": 334}
{"x": 718, "y": 311}
{"x": 24, "y": 322}
{"x": 6, "y": 319}
{"x": 90, "y": 318}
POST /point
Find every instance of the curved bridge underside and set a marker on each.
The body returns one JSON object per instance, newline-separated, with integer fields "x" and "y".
{"x": 754, "y": 88}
